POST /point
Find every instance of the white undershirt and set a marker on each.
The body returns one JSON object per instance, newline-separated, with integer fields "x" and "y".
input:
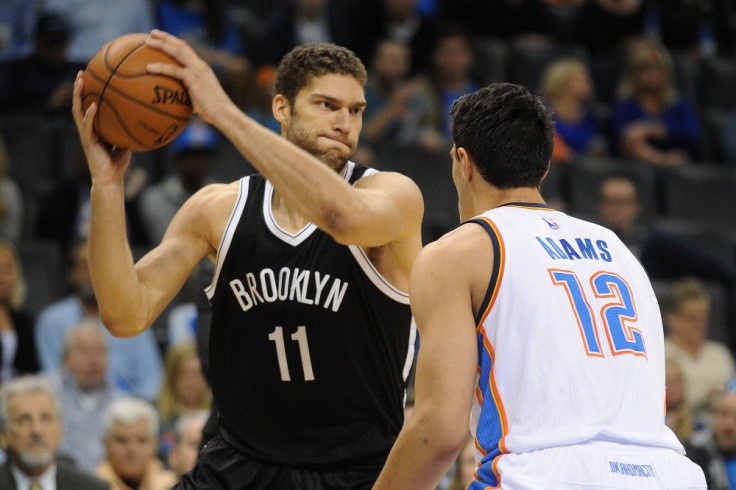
{"x": 47, "y": 480}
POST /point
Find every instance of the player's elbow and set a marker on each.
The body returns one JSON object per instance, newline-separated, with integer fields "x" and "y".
{"x": 448, "y": 430}
{"x": 122, "y": 327}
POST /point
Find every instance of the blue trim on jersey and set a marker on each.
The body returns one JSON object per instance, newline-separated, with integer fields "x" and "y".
{"x": 489, "y": 430}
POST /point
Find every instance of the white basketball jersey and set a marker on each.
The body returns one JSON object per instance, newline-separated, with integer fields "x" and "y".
{"x": 570, "y": 339}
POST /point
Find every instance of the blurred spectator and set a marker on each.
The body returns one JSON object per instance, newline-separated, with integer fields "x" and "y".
{"x": 500, "y": 19}
{"x": 209, "y": 27}
{"x": 17, "y": 22}
{"x": 651, "y": 121}
{"x": 63, "y": 212}
{"x": 300, "y": 22}
{"x": 193, "y": 151}
{"x": 706, "y": 364}
{"x": 604, "y": 28}
{"x": 95, "y": 22}
{"x": 398, "y": 20}
{"x": 17, "y": 344}
{"x": 41, "y": 82}
{"x": 31, "y": 432}
{"x": 135, "y": 362}
{"x": 663, "y": 255}
{"x": 184, "y": 390}
{"x": 450, "y": 77}
{"x": 719, "y": 442}
{"x": 131, "y": 430}
{"x": 726, "y": 137}
{"x": 696, "y": 29}
{"x": 568, "y": 87}
{"x": 396, "y": 104}
{"x": 11, "y": 200}
{"x": 678, "y": 415}
{"x": 184, "y": 452}
{"x": 85, "y": 394}
{"x": 181, "y": 323}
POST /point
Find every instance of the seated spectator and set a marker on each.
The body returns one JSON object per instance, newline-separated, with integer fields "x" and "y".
{"x": 678, "y": 414}
{"x": 719, "y": 442}
{"x": 299, "y": 22}
{"x": 41, "y": 82}
{"x": 184, "y": 390}
{"x": 17, "y": 343}
{"x": 11, "y": 201}
{"x": 210, "y": 29}
{"x": 605, "y": 28}
{"x": 395, "y": 104}
{"x": 17, "y": 22}
{"x": 193, "y": 154}
{"x": 651, "y": 121}
{"x": 131, "y": 431}
{"x": 184, "y": 452}
{"x": 95, "y": 22}
{"x": 664, "y": 256}
{"x": 449, "y": 77}
{"x": 31, "y": 430}
{"x": 399, "y": 20}
{"x": 726, "y": 139}
{"x": 135, "y": 362}
{"x": 568, "y": 88}
{"x": 706, "y": 364}
{"x": 85, "y": 393}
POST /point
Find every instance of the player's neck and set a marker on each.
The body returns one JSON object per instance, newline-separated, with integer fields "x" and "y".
{"x": 499, "y": 197}
{"x": 287, "y": 218}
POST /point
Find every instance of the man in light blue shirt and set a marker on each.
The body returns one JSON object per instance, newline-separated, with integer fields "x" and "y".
{"x": 135, "y": 365}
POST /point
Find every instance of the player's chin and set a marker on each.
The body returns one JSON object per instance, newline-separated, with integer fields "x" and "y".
{"x": 336, "y": 158}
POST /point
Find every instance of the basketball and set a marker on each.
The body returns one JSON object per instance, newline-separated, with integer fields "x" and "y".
{"x": 136, "y": 110}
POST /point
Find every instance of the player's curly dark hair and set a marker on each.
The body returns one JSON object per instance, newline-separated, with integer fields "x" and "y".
{"x": 507, "y": 130}
{"x": 304, "y": 62}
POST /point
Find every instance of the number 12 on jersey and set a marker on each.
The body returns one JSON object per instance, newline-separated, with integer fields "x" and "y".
{"x": 619, "y": 316}
{"x": 300, "y": 336}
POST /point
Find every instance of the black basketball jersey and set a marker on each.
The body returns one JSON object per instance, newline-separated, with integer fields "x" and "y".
{"x": 310, "y": 347}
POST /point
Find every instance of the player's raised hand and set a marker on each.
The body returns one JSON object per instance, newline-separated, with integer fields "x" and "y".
{"x": 104, "y": 163}
{"x": 205, "y": 91}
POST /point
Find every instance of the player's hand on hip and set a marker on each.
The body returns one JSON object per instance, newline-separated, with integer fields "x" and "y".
{"x": 105, "y": 163}
{"x": 205, "y": 90}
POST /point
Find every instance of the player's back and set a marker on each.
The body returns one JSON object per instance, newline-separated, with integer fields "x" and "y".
{"x": 570, "y": 338}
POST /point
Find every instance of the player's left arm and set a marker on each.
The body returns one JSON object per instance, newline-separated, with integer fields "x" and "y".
{"x": 442, "y": 305}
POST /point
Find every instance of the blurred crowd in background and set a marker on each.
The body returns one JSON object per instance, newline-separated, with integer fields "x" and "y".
{"x": 644, "y": 98}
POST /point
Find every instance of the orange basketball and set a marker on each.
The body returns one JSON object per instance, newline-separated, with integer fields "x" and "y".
{"x": 136, "y": 110}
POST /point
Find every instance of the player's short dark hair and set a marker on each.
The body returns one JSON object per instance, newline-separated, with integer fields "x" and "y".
{"x": 508, "y": 131}
{"x": 307, "y": 61}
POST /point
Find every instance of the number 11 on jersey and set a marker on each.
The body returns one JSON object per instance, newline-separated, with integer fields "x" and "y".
{"x": 300, "y": 336}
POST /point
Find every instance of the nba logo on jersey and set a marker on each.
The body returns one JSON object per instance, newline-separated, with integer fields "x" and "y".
{"x": 552, "y": 223}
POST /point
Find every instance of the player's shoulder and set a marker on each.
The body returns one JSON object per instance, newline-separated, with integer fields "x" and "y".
{"x": 458, "y": 247}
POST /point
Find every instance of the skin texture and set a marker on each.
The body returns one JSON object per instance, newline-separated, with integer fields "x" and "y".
{"x": 381, "y": 213}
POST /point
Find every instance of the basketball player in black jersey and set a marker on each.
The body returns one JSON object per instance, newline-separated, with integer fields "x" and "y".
{"x": 311, "y": 338}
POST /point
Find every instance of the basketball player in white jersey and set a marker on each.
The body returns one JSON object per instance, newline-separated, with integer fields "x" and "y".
{"x": 539, "y": 332}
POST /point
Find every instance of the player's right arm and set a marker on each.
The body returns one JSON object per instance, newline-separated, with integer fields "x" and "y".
{"x": 130, "y": 296}
{"x": 446, "y": 283}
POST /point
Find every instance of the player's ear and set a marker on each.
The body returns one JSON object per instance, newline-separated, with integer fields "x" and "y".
{"x": 467, "y": 168}
{"x": 281, "y": 108}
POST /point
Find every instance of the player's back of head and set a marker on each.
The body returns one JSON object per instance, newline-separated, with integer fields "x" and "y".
{"x": 507, "y": 131}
